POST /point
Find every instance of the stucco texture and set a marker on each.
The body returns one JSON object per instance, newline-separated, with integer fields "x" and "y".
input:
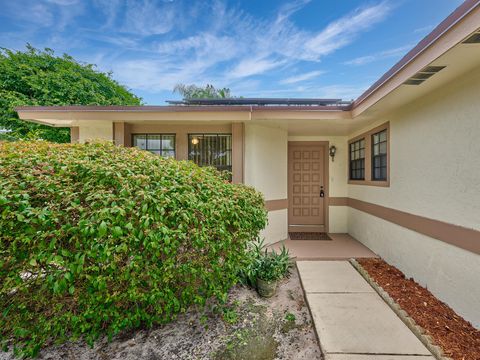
{"x": 95, "y": 130}
{"x": 266, "y": 170}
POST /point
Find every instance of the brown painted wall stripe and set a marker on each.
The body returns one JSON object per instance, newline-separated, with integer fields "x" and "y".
{"x": 338, "y": 201}
{"x": 468, "y": 239}
{"x": 272, "y": 205}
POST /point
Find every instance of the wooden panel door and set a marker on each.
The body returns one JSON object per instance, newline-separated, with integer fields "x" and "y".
{"x": 306, "y": 177}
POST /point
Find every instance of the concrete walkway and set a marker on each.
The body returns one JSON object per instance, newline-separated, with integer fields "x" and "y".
{"x": 352, "y": 321}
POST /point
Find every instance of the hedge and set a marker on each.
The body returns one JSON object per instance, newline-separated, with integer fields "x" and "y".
{"x": 97, "y": 238}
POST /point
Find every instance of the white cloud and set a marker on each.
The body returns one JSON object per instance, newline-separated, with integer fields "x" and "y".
{"x": 249, "y": 67}
{"x": 424, "y": 29}
{"x": 362, "y": 60}
{"x": 63, "y": 2}
{"x": 110, "y": 9}
{"x": 288, "y": 9}
{"x": 148, "y": 17}
{"x": 38, "y": 14}
{"x": 236, "y": 46}
{"x": 52, "y": 14}
{"x": 205, "y": 46}
{"x": 346, "y": 29}
{"x": 340, "y": 91}
{"x": 302, "y": 77}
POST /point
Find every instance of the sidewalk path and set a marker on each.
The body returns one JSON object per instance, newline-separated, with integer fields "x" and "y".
{"x": 352, "y": 321}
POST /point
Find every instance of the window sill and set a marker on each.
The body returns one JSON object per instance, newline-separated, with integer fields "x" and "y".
{"x": 385, "y": 183}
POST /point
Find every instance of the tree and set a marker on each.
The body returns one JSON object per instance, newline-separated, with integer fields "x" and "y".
{"x": 38, "y": 77}
{"x": 198, "y": 92}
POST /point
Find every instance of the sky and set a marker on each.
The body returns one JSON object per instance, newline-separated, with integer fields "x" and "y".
{"x": 257, "y": 48}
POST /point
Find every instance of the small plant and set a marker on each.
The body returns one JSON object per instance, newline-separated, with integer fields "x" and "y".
{"x": 269, "y": 268}
{"x": 228, "y": 312}
{"x": 264, "y": 268}
{"x": 230, "y": 316}
{"x": 274, "y": 266}
{"x": 290, "y": 317}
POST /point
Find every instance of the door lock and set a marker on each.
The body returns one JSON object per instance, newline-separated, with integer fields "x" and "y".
{"x": 322, "y": 193}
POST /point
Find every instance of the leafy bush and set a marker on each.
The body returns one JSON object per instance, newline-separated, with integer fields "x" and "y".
{"x": 97, "y": 238}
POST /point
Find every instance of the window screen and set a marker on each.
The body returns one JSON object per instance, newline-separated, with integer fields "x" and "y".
{"x": 211, "y": 150}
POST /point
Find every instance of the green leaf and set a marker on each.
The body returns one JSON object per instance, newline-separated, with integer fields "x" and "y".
{"x": 117, "y": 231}
{"x": 102, "y": 229}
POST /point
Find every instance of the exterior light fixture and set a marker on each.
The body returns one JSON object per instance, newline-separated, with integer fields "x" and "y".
{"x": 195, "y": 141}
{"x": 332, "y": 150}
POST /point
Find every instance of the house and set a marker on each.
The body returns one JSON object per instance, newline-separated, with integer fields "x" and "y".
{"x": 398, "y": 168}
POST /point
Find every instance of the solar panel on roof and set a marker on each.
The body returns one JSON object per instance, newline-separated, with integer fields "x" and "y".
{"x": 261, "y": 101}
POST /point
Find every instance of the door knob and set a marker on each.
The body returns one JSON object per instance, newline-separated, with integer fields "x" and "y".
{"x": 322, "y": 193}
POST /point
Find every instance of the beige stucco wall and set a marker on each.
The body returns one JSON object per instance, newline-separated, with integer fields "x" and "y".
{"x": 276, "y": 229}
{"x": 266, "y": 170}
{"x": 434, "y": 172}
{"x": 95, "y": 130}
{"x": 337, "y": 185}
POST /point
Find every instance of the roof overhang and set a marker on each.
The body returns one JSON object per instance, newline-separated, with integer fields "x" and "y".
{"x": 59, "y": 116}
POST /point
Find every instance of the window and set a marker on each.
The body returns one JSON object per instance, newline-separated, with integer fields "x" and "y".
{"x": 357, "y": 160}
{"x": 369, "y": 158}
{"x": 379, "y": 156}
{"x": 160, "y": 144}
{"x": 211, "y": 150}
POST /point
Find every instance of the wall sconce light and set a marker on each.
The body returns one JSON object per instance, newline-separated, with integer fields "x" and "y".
{"x": 332, "y": 150}
{"x": 195, "y": 141}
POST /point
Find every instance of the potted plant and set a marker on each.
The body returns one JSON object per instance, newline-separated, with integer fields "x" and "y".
{"x": 272, "y": 267}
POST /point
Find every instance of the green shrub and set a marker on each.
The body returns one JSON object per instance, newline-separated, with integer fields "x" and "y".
{"x": 97, "y": 238}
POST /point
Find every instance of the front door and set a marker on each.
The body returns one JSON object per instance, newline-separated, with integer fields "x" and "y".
{"x": 306, "y": 186}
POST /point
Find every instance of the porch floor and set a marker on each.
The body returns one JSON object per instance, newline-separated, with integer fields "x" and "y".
{"x": 341, "y": 247}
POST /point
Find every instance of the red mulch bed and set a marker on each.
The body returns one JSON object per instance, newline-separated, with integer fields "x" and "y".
{"x": 456, "y": 336}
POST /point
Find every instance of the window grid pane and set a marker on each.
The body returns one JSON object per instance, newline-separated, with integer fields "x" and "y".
{"x": 211, "y": 150}
{"x": 159, "y": 144}
{"x": 379, "y": 156}
{"x": 357, "y": 160}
